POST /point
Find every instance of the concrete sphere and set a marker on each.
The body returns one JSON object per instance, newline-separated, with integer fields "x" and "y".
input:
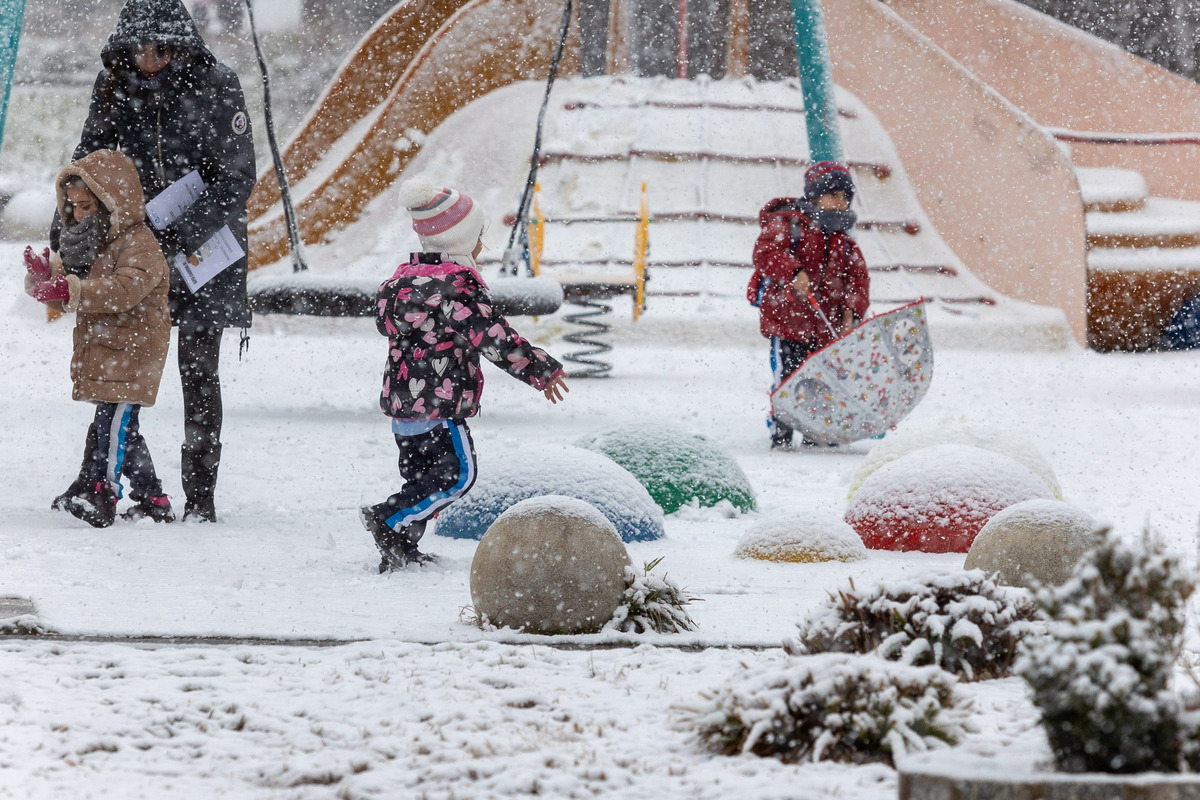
{"x": 1038, "y": 541}
{"x": 550, "y": 564}
{"x": 800, "y": 537}
{"x": 27, "y": 216}
{"x": 937, "y": 499}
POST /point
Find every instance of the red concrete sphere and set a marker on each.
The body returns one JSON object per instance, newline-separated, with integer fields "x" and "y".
{"x": 936, "y": 499}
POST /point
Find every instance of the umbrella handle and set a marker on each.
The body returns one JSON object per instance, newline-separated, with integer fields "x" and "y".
{"x": 821, "y": 314}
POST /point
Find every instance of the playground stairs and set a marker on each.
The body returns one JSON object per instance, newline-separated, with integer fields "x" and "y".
{"x": 711, "y": 154}
{"x": 1143, "y": 258}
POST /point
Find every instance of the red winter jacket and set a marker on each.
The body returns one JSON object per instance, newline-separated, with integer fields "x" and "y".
{"x": 790, "y": 242}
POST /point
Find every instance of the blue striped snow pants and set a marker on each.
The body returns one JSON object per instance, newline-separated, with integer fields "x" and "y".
{"x": 438, "y": 468}
{"x": 115, "y": 447}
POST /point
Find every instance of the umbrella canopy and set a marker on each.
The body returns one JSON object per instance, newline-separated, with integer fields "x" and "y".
{"x": 862, "y": 384}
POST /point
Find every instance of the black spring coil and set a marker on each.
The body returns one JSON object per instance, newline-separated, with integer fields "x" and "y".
{"x": 591, "y": 367}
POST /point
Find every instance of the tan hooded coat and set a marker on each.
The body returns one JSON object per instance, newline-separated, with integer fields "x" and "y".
{"x": 122, "y": 328}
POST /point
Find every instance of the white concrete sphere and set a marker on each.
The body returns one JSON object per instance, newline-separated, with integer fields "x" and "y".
{"x": 1037, "y": 541}
{"x": 550, "y": 564}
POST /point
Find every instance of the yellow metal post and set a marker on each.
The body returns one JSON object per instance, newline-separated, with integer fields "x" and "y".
{"x": 641, "y": 249}
{"x": 537, "y": 232}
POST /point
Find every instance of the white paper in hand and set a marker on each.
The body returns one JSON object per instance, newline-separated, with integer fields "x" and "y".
{"x": 206, "y": 263}
{"x": 174, "y": 200}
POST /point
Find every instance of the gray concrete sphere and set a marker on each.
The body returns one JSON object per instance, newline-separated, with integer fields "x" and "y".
{"x": 550, "y": 564}
{"x": 27, "y": 216}
{"x": 1037, "y": 541}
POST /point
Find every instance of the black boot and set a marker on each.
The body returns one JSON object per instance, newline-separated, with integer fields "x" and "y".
{"x": 155, "y": 508}
{"x": 199, "y": 473}
{"x": 98, "y": 507}
{"x": 409, "y": 537}
{"x": 80, "y": 486}
{"x": 77, "y": 490}
{"x": 398, "y": 548}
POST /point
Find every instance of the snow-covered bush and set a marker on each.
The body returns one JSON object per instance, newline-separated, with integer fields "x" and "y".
{"x": 651, "y": 603}
{"x": 962, "y": 622}
{"x": 675, "y": 465}
{"x": 1101, "y": 677}
{"x": 834, "y": 707}
{"x": 800, "y": 537}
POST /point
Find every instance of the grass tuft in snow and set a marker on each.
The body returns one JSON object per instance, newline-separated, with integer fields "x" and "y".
{"x": 651, "y": 603}
{"x": 834, "y": 707}
{"x": 963, "y": 622}
{"x": 24, "y": 625}
{"x": 475, "y": 618}
{"x": 1101, "y": 676}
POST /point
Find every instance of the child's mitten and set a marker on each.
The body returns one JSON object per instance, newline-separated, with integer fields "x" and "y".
{"x": 49, "y": 291}
{"x": 38, "y": 266}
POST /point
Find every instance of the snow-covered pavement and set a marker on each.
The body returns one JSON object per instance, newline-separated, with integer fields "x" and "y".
{"x": 431, "y": 706}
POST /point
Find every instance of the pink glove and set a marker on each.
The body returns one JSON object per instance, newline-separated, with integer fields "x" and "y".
{"x": 49, "y": 291}
{"x": 38, "y": 266}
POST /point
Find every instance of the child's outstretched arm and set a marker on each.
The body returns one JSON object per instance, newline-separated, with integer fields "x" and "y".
{"x": 497, "y": 341}
{"x": 557, "y": 387}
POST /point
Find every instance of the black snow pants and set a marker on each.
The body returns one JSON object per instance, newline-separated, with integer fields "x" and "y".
{"x": 199, "y": 364}
{"x": 438, "y": 467}
{"x": 115, "y": 447}
{"x": 786, "y": 357}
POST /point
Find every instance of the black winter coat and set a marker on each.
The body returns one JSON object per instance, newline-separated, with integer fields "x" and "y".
{"x": 192, "y": 117}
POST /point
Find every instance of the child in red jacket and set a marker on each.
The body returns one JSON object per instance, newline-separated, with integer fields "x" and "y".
{"x": 810, "y": 281}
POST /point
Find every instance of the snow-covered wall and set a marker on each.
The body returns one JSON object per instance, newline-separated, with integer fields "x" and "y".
{"x": 1065, "y": 78}
{"x": 996, "y": 185}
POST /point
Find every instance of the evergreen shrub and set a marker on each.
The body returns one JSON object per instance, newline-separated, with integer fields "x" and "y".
{"x": 835, "y": 707}
{"x": 1101, "y": 676}
{"x": 962, "y": 622}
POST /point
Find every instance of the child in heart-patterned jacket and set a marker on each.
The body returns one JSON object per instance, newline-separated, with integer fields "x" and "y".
{"x": 439, "y": 320}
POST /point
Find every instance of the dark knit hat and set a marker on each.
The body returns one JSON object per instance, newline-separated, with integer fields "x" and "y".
{"x": 825, "y": 177}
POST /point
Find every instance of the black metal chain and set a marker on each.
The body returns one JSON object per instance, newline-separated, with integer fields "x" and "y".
{"x": 521, "y": 223}
{"x": 289, "y": 212}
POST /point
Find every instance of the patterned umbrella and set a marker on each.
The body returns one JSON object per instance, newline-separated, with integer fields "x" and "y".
{"x": 862, "y": 384}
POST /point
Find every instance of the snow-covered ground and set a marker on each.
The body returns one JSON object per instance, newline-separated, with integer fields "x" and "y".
{"x": 425, "y": 705}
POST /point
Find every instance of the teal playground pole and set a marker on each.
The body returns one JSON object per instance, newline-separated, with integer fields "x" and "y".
{"x": 816, "y": 80}
{"x": 12, "y": 15}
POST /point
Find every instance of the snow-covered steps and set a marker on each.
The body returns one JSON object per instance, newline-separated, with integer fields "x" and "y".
{"x": 711, "y": 154}
{"x": 1159, "y": 223}
{"x": 1111, "y": 190}
{"x": 1143, "y": 258}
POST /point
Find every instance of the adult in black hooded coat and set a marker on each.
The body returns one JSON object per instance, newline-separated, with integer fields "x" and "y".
{"x": 165, "y": 101}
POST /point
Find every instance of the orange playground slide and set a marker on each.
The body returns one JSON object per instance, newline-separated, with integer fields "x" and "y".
{"x": 414, "y": 69}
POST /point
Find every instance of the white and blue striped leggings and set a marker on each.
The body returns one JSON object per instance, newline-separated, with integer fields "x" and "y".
{"x": 115, "y": 447}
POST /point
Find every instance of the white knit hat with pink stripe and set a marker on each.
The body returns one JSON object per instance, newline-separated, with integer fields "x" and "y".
{"x": 446, "y": 220}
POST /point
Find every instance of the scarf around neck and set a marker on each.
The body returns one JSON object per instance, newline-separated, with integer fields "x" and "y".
{"x": 79, "y": 244}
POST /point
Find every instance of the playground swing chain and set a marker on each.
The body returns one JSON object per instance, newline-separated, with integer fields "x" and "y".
{"x": 514, "y": 255}
{"x": 289, "y": 212}
{"x": 520, "y": 229}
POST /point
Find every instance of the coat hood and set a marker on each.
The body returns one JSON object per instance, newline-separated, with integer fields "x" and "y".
{"x": 802, "y": 211}
{"x": 154, "y": 22}
{"x": 788, "y": 207}
{"x": 112, "y": 177}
